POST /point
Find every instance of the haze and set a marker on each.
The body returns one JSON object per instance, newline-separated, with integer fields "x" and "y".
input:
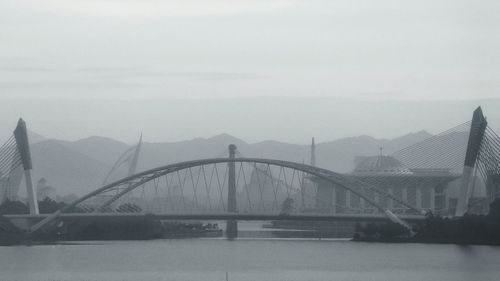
{"x": 282, "y": 70}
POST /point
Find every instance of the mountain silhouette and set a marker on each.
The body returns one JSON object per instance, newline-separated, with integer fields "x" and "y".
{"x": 80, "y": 166}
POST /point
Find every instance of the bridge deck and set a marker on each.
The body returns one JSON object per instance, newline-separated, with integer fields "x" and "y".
{"x": 239, "y": 217}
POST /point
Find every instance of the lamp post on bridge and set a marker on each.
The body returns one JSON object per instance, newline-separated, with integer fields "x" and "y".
{"x": 231, "y": 225}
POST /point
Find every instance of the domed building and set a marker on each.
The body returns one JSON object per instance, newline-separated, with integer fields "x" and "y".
{"x": 379, "y": 165}
{"x": 427, "y": 189}
{"x": 422, "y": 188}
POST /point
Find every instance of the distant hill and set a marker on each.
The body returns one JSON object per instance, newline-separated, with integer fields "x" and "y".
{"x": 339, "y": 155}
{"x": 103, "y": 149}
{"x": 335, "y": 155}
{"x": 35, "y": 137}
{"x": 80, "y": 166}
{"x": 66, "y": 169}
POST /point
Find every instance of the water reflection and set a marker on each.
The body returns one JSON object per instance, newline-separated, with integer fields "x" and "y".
{"x": 248, "y": 259}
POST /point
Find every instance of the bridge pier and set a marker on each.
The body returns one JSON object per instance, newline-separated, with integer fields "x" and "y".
{"x": 231, "y": 229}
{"x": 476, "y": 135}
{"x": 324, "y": 196}
{"x": 21, "y": 135}
{"x": 231, "y": 225}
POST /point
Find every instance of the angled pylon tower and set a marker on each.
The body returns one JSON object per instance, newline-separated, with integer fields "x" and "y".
{"x": 133, "y": 164}
{"x": 23, "y": 147}
{"x": 130, "y": 157}
{"x": 477, "y": 129}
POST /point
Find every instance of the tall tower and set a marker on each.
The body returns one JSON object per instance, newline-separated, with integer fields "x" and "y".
{"x": 324, "y": 189}
{"x": 21, "y": 135}
{"x": 231, "y": 225}
{"x": 381, "y": 158}
{"x": 477, "y": 128}
{"x": 313, "y": 153}
{"x": 231, "y": 184}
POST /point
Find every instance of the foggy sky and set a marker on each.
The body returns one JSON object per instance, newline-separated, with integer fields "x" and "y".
{"x": 293, "y": 120}
{"x": 90, "y": 61}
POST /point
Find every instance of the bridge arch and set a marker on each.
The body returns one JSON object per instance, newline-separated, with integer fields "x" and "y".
{"x": 327, "y": 175}
{"x": 132, "y": 182}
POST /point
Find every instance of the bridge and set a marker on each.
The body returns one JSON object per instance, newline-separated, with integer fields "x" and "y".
{"x": 70, "y": 217}
{"x": 246, "y": 188}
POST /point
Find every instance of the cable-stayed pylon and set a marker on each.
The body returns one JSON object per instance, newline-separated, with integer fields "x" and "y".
{"x": 15, "y": 155}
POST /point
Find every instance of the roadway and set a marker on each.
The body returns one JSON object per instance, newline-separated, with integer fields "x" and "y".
{"x": 222, "y": 216}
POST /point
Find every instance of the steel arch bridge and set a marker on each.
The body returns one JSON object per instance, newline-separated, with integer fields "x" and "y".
{"x": 113, "y": 192}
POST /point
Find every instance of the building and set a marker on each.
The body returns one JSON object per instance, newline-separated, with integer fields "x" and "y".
{"x": 427, "y": 189}
{"x": 44, "y": 190}
{"x": 263, "y": 192}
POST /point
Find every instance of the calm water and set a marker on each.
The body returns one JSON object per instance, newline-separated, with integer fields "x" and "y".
{"x": 249, "y": 259}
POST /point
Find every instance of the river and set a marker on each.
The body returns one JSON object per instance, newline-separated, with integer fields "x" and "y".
{"x": 248, "y": 259}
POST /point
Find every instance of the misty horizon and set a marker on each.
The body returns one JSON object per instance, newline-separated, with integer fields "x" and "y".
{"x": 249, "y": 140}
{"x": 227, "y": 49}
{"x": 291, "y": 120}
{"x": 36, "y": 138}
{"x": 284, "y": 70}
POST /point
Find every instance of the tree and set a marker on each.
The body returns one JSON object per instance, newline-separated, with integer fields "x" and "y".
{"x": 494, "y": 213}
{"x": 129, "y": 208}
{"x": 48, "y": 206}
{"x": 287, "y": 206}
{"x": 13, "y": 207}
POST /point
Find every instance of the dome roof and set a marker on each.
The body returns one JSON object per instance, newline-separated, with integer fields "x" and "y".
{"x": 380, "y": 165}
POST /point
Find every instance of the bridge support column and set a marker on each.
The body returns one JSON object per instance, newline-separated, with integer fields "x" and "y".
{"x": 333, "y": 200}
{"x": 477, "y": 129}
{"x": 418, "y": 195}
{"x": 404, "y": 194}
{"x": 390, "y": 202}
{"x": 21, "y": 135}
{"x": 231, "y": 225}
{"x": 433, "y": 200}
{"x": 324, "y": 196}
{"x": 348, "y": 201}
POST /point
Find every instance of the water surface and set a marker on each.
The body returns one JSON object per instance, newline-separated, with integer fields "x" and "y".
{"x": 248, "y": 259}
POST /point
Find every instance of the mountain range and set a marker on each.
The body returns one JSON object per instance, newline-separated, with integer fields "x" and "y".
{"x": 80, "y": 166}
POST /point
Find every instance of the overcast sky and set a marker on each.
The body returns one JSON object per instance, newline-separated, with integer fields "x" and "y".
{"x": 80, "y": 54}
